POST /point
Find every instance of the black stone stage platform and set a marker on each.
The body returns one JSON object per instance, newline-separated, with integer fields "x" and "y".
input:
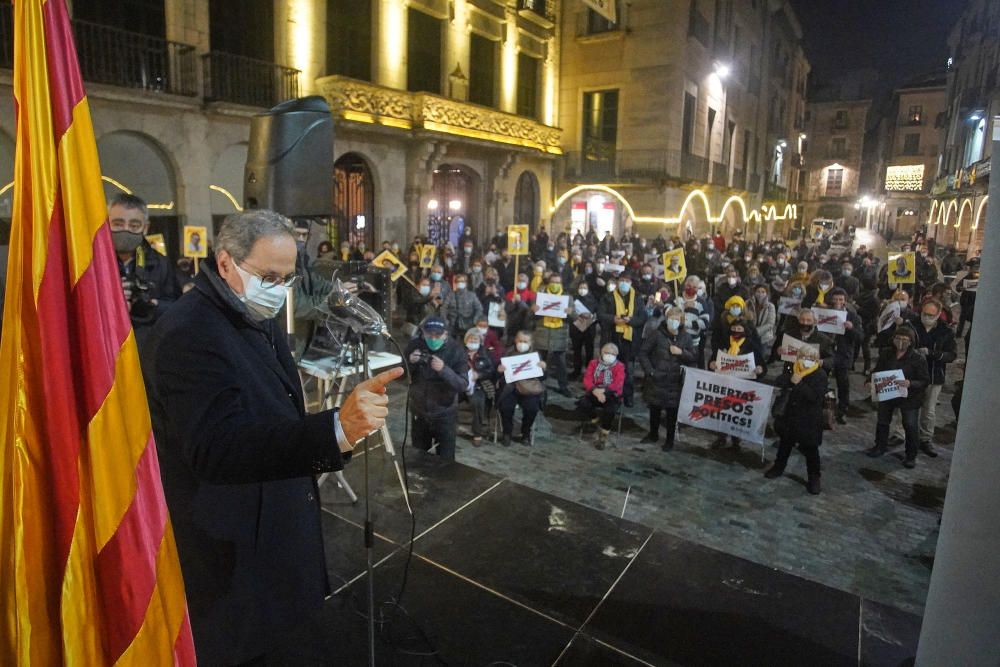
{"x": 506, "y": 575}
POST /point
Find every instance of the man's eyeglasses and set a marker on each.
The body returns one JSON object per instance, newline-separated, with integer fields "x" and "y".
{"x": 134, "y": 226}
{"x": 271, "y": 280}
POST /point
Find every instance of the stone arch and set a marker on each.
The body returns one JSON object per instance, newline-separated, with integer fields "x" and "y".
{"x": 689, "y": 218}
{"x": 581, "y": 195}
{"x": 355, "y": 200}
{"x": 227, "y": 181}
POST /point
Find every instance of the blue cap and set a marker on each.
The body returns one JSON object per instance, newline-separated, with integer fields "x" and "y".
{"x": 434, "y": 324}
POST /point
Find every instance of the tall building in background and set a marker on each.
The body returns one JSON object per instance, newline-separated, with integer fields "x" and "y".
{"x": 914, "y": 134}
{"x": 836, "y": 123}
{"x": 674, "y": 98}
{"x": 958, "y": 209}
{"x": 444, "y": 109}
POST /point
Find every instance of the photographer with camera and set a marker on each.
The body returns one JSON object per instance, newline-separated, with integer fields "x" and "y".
{"x": 149, "y": 283}
{"x": 439, "y": 374}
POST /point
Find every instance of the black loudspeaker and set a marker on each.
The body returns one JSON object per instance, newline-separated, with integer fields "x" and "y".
{"x": 290, "y": 159}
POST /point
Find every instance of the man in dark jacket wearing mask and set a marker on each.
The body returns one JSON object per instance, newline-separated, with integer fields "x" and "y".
{"x": 238, "y": 453}
{"x": 439, "y": 372}
{"x": 148, "y": 281}
{"x": 936, "y": 341}
{"x": 902, "y": 356}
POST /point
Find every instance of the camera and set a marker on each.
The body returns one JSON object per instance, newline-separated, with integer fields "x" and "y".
{"x": 140, "y": 300}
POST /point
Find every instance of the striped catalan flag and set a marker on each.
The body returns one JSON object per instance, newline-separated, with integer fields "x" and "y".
{"x": 89, "y": 573}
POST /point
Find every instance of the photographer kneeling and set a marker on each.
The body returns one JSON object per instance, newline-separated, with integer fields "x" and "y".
{"x": 439, "y": 373}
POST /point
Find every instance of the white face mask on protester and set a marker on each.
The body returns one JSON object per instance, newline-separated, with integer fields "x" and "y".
{"x": 608, "y": 358}
{"x": 523, "y": 347}
{"x": 807, "y": 363}
{"x": 262, "y": 302}
{"x": 472, "y": 346}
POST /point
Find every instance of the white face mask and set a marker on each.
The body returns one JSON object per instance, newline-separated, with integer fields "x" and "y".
{"x": 624, "y": 288}
{"x": 483, "y": 330}
{"x": 825, "y": 286}
{"x": 732, "y": 281}
{"x": 611, "y": 287}
{"x": 262, "y": 302}
{"x": 523, "y": 347}
{"x": 460, "y": 286}
{"x": 583, "y": 291}
{"x": 807, "y": 363}
{"x": 608, "y": 358}
{"x": 425, "y": 290}
{"x": 472, "y": 346}
{"x": 673, "y": 323}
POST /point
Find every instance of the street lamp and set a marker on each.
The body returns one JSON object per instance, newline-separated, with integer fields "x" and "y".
{"x": 721, "y": 69}
{"x": 432, "y": 205}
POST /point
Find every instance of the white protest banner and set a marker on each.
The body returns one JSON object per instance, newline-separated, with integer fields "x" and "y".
{"x": 614, "y": 268}
{"x": 788, "y": 305}
{"x": 521, "y": 367}
{"x": 885, "y": 385}
{"x": 790, "y": 346}
{"x": 580, "y": 308}
{"x": 735, "y": 365}
{"x": 887, "y": 318}
{"x": 829, "y": 320}
{"x": 551, "y": 305}
{"x": 725, "y": 404}
{"x": 497, "y": 316}
{"x": 969, "y": 285}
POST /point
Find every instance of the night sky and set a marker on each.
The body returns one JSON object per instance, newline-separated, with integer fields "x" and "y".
{"x": 899, "y": 38}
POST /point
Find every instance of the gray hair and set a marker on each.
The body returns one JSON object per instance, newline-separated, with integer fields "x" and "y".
{"x": 127, "y": 200}
{"x": 240, "y": 231}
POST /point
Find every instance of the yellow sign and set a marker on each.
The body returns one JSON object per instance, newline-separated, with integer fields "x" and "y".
{"x": 195, "y": 241}
{"x": 386, "y": 260}
{"x": 517, "y": 239}
{"x": 157, "y": 242}
{"x": 427, "y": 253}
{"x": 902, "y": 269}
{"x": 674, "y": 265}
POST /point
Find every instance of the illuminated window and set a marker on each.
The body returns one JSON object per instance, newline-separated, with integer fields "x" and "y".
{"x": 915, "y": 116}
{"x": 906, "y": 178}
{"x": 834, "y": 182}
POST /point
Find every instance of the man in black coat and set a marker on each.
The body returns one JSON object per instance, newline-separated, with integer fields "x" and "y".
{"x": 902, "y": 356}
{"x": 439, "y": 371}
{"x": 238, "y": 453}
{"x": 149, "y": 282}
{"x": 844, "y": 346}
{"x": 936, "y": 341}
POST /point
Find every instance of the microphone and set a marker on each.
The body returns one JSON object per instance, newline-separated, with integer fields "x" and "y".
{"x": 350, "y": 310}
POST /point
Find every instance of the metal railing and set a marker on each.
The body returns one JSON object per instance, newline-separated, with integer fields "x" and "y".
{"x": 133, "y": 60}
{"x": 6, "y": 35}
{"x": 248, "y": 81}
{"x": 119, "y": 57}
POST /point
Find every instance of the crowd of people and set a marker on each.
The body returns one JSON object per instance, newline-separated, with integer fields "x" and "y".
{"x": 628, "y": 328}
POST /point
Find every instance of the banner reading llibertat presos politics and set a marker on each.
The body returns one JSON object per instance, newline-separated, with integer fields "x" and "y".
{"x": 725, "y": 404}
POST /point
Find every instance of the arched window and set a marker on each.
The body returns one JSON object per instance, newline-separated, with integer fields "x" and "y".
{"x": 526, "y": 201}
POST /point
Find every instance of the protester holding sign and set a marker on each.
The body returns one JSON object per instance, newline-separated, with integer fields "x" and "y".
{"x": 902, "y": 356}
{"x": 804, "y": 329}
{"x": 663, "y": 356}
{"x": 843, "y": 350}
{"x": 889, "y": 321}
{"x": 742, "y": 341}
{"x": 526, "y": 393}
{"x": 552, "y": 336}
{"x": 820, "y": 284}
{"x": 518, "y": 306}
{"x": 603, "y": 382}
{"x": 583, "y": 329}
{"x": 799, "y": 416}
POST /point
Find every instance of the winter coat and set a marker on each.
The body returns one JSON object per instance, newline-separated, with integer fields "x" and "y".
{"x": 845, "y": 344}
{"x": 435, "y": 393}
{"x": 914, "y": 367}
{"x": 697, "y": 319}
{"x": 617, "y": 378}
{"x": 665, "y": 371}
{"x": 803, "y": 417}
{"x": 462, "y": 308}
{"x": 765, "y": 317}
{"x": 941, "y": 349}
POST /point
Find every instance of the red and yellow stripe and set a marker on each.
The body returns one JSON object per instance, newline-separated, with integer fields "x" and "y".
{"x": 87, "y": 557}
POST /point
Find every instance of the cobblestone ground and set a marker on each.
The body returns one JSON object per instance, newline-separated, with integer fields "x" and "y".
{"x": 871, "y": 532}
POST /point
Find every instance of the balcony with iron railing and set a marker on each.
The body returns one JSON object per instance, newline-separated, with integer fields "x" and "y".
{"x": 694, "y": 167}
{"x": 247, "y": 81}
{"x": 122, "y": 58}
